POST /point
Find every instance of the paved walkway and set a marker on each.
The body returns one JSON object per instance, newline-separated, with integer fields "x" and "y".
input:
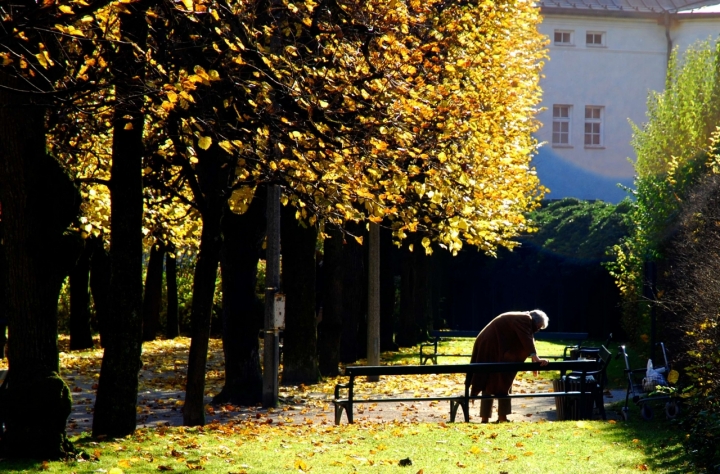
{"x": 156, "y": 408}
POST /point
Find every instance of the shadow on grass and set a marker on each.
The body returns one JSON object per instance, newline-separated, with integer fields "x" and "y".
{"x": 661, "y": 441}
{"x": 21, "y": 465}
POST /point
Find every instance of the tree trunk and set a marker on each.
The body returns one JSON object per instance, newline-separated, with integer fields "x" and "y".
{"x": 116, "y": 402}
{"x": 352, "y": 345}
{"x": 300, "y": 363}
{"x": 330, "y": 327}
{"x": 172, "y": 323}
{"x": 387, "y": 291}
{"x": 242, "y": 311}
{"x": 35, "y": 402}
{"x": 414, "y": 311}
{"x": 152, "y": 301}
{"x": 3, "y": 314}
{"x": 100, "y": 286}
{"x": 80, "y": 330}
{"x": 213, "y": 178}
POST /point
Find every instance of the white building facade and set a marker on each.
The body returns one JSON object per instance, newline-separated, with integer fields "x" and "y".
{"x": 605, "y": 58}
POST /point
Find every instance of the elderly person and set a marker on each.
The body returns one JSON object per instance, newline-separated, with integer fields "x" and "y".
{"x": 507, "y": 338}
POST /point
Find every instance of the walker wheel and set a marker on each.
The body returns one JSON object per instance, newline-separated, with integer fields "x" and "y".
{"x": 671, "y": 410}
{"x": 646, "y": 412}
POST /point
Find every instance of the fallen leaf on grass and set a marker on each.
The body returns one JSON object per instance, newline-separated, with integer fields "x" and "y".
{"x": 642, "y": 467}
{"x": 165, "y": 468}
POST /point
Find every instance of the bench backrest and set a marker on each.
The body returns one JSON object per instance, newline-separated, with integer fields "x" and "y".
{"x": 540, "y": 335}
{"x": 485, "y": 367}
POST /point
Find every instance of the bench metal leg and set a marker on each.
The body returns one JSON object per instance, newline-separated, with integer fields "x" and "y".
{"x": 339, "y": 408}
{"x": 459, "y": 403}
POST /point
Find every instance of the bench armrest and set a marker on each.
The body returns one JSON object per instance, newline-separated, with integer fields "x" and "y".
{"x": 339, "y": 387}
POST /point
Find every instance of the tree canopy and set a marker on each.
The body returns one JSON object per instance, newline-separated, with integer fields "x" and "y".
{"x": 417, "y": 113}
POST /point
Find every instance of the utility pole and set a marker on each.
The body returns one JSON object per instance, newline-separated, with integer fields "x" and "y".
{"x": 373, "y": 330}
{"x": 271, "y": 350}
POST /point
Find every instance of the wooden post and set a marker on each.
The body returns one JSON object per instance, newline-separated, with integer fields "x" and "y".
{"x": 271, "y": 350}
{"x": 373, "y": 331}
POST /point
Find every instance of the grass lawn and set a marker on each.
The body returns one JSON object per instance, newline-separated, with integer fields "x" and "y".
{"x": 542, "y": 447}
{"x": 303, "y": 444}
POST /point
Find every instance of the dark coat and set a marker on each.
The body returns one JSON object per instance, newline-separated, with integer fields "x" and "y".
{"x": 507, "y": 338}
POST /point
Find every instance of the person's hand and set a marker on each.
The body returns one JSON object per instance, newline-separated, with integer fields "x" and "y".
{"x": 543, "y": 362}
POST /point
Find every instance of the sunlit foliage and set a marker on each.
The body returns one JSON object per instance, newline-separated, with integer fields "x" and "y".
{"x": 419, "y": 114}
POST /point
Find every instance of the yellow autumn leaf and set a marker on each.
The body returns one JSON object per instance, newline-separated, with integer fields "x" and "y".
{"x": 42, "y": 60}
{"x": 673, "y": 376}
{"x": 204, "y": 142}
{"x": 66, "y": 10}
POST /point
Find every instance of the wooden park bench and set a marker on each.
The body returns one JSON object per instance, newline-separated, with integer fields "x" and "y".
{"x": 540, "y": 336}
{"x": 345, "y": 403}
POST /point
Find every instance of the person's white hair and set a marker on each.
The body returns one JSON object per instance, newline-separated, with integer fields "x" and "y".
{"x": 540, "y": 318}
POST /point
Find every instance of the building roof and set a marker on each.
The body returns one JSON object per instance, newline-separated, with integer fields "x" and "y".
{"x": 626, "y": 6}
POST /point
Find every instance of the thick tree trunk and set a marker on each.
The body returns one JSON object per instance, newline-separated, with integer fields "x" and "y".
{"x": 152, "y": 300}
{"x": 115, "y": 406}
{"x": 172, "y": 324}
{"x": 203, "y": 292}
{"x": 213, "y": 179}
{"x": 100, "y": 286}
{"x": 300, "y": 362}
{"x": 330, "y": 327}
{"x": 352, "y": 345}
{"x": 3, "y": 313}
{"x": 80, "y": 330}
{"x": 387, "y": 291}
{"x": 35, "y": 402}
{"x": 242, "y": 311}
{"x": 414, "y": 294}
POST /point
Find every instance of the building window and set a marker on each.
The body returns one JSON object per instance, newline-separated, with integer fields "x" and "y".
{"x": 561, "y": 125}
{"x": 563, "y": 37}
{"x": 595, "y": 39}
{"x": 593, "y": 126}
